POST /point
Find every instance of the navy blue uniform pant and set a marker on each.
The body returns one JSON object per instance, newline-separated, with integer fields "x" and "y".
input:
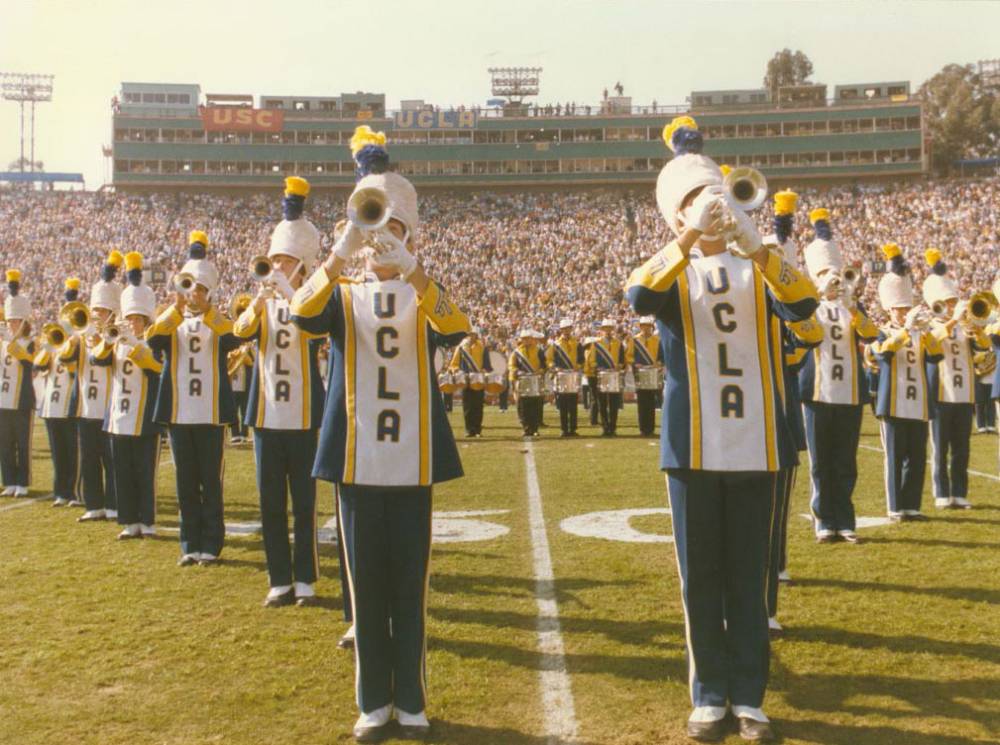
{"x": 609, "y": 404}
{"x": 777, "y": 554}
{"x": 986, "y": 415}
{"x": 951, "y": 429}
{"x": 239, "y": 427}
{"x": 135, "y": 460}
{"x": 15, "y": 447}
{"x": 646, "y": 404}
{"x": 97, "y": 475}
{"x": 567, "y": 404}
{"x": 832, "y": 435}
{"x": 284, "y": 465}
{"x": 197, "y": 450}
{"x": 721, "y": 525}
{"x": 905, "y": 444}
{"x": 472, "y": 410}
{"x": 387, "y": 542}
{"x": 65, "y": 456}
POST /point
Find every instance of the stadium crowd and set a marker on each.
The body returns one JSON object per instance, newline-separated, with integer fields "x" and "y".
{"x": 513, "y": 259}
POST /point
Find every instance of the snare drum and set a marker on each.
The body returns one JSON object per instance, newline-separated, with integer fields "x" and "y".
{"x": 609, "y": 381}
{"x": 649, "y": 378}
{"x": 495, "y": 383}
{"x": 567, "y": 381}
{"x": 477, "y": 381}
{"x": 445, "y": 382}
{"x": 529, "y": 386}
{"x": 459, "y": 379}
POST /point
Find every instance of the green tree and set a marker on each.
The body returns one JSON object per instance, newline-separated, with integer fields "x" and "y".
{"x": 787, "y": 68}
{"x": 962, "y": 115}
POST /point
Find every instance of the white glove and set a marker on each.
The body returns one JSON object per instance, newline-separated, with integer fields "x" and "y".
{"x": 961, "y": 309}
{"x": 743, "y": 238}
{"x": 349, "y": 242}
{"x": 389, "y": 251}
{"x": 281, "y": 284}
{"x": 704, "y": 211}
{"x": 916, "y": 319}
{"x": 824, "y": 282}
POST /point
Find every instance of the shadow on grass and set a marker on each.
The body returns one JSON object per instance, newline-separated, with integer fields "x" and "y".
{"x": 470, "y": 734}
{"x": 491, "y": 584}
{"x": 903, "y": 644}
{"x": 627, "y": 667}
{"x": 971, "y": 594}
{"x": 930, "y": 698}
{"x": 829, "y": 733}
{"x": 931, "y": 542}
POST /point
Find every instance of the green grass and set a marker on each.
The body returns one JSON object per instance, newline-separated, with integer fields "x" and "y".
{"x": 891, "y": 641}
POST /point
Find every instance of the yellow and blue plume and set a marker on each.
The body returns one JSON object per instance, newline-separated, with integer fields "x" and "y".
{"x": 197, "y": 244}
{"x": 296, "y": 191}
{"x": 682, "y": 136}
{"x": 133, "y": 267}
{"x": 369, "y": 152}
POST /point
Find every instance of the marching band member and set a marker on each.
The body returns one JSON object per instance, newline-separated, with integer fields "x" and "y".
{"x": 993, "y": 332}
{"x": 471, "y": 356}
{"x": 724, "y": 435}
{"x": 195, "y": 401}
{"x": 92, "y": 391}
{"x": 527, "y": 359}
{"x": 903, "y": 350}
{"x": 238, "y": 365}
{"x": 954, "y": 381}
{"x": 566, "y": 353}
{"x": 135, "y": 371}
{"x": 607, "y": 353}
{"x": 986, "y": 418}
{"x": 644, "y": 351}
{"x": 17, "y": 394}
{"x": 55, "y": 363}
{"x": 385, "y": 439}
{"x": 834, "y": 389}
{"x": 286, "y": 406}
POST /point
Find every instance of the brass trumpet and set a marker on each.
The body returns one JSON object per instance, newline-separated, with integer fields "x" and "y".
{"x": 238, "y": 304}
{"x": 980, "y": 308}
{"x": 369, "y": 208}
{"x": 939, "y": 308}
{"x": 76, "y": 314}
{"x": 850, "y": 275}
{"x": 262, "y": 268}
{"x": 183, "y": 283}
{"x": 746, "y": 186}
{"x": 54, "y": 335}
{"x": 115, "y": 332}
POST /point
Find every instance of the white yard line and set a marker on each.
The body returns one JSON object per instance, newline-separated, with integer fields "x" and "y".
{"x": 22, "y": 502}
{"x": 558, "y": 711}
{"x": 974, "y": 473}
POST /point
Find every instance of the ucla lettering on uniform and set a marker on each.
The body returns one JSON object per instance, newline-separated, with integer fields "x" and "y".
{"x": 282, "y": 391}
{"x": 380, "y": 343}
{"x": 723, "y": 325}
{"x": 127, "y": 368}
{"x": 282, "y": 339}
{"x": 717, "y": 281}
{"x": 284, "y": 317}
{"x": 390, "y": 305}
{"x": 388, "y": 425}
{"x": 383, "y": 386}
{"x": 194, "y": 387}
{"x": 732, "y": 402}
{"x": 724, "y": 368}
{"x": 957, "y": 380}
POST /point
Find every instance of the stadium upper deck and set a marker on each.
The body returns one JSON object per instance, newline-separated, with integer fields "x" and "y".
{"x": 173, "y": 136}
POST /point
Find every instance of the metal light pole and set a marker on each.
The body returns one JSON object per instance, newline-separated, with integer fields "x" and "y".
{"x": 30, "y": 88}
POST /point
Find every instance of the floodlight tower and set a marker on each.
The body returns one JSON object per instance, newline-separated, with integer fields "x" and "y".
{"x": 515, "y": 83}
{"x": 26, "y": 88}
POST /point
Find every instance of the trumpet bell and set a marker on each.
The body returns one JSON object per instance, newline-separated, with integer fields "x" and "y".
{"x": 939, "y": 308}
{"x": 76, "y": 314}
{"x": 747, "y": 187}
{"x": 850, "y": 275}
{"x": 183, "y": 283}
{"x": 54, "y": 334}
{"x": 981, "y": 307}
{"x": 368, "y": 208}
{"x": 261, "y": 268}
{"x": 238, "y": 304}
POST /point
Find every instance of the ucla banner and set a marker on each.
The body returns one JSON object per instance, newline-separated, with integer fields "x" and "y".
{"x": 436, "y": 119}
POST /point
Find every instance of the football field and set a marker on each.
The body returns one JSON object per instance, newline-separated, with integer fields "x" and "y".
{"x": 554, "y": 614}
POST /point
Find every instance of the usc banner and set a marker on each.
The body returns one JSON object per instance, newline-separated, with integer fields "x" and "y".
{"x": 235, "y": 119}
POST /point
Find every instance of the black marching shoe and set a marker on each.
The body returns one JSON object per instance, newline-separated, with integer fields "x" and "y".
{"x": 708, "y": 731}
{"x": 754, "y": 731}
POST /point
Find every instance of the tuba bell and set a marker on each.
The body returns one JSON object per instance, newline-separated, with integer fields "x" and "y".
{"x": 746, "y": 186}
{"x": 369, "y": 208}
{"x": 54, "y": 335}
{"x": 981, "y": 307}
{"x": 238, "y": 304}
{"x": 76, "y": 314}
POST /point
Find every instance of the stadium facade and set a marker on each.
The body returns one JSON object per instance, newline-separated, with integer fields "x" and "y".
{"x": 174, "y": 137}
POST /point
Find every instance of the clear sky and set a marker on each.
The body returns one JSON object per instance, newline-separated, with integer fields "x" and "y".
{"x": 439, "y": 50}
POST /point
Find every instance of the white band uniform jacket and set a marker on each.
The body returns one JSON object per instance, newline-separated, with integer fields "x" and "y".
{"x": 384, "y": 422}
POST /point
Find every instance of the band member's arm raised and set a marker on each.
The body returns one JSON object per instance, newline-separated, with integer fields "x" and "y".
{"x": 444, "y": 316}
{"x": 101, "y": 355}
{"x": 805, "y": 334}
{"x": 247, "y": 326}
{"x": 796, "y": 297}
{"x": 862, "y": 324}
{"x": 20, "y": 353}
{"x": 888, "y": 344}
{"x": 41, "y": 361}
{"x": 166, "y": 323}
{"x": 143, "y": 357}
{"x": 647, "y": 287}
{"x": 933, "y": 351}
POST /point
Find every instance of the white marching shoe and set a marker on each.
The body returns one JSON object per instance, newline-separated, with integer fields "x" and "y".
{"x": 369, "y": 727}
{"x": 129, "y": 532}
{"x": 111, "y": 514}
{"x": 90, "y": 515}
{"x": 60, "y": 502}
{"x": 9, "y": 491}
{"x": 147, "y": 529}
{"x": 20, "y": 491}
{"x": 412, "y": 726}
{"x": 942, "y": 503}
{"x": 961, "y": 503}
{"x": 773, "y": 626}
{"x": 784, "y": 576}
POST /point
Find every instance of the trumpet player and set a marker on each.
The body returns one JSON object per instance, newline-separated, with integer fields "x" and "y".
{"x": 93, "y": 388}
{"x": 385, "y": 439}
{"x": 56, "y": 364}
{"x": 134, "y": 438}
{"x": 954, "y": 383}
{"x": 194, "y": 399}
{"x": 238, "y": 365}
{"x": 286, "y": 408}
{"x": 834, "y": 389}
{"x": 904, "y": 350}
{"x": 17, "y": 394}
{"x": 717, "y": 293}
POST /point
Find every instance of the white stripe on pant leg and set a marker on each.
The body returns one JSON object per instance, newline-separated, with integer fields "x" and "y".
{"x": 971, "y": 472}
{"x": 558, "y": 711}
